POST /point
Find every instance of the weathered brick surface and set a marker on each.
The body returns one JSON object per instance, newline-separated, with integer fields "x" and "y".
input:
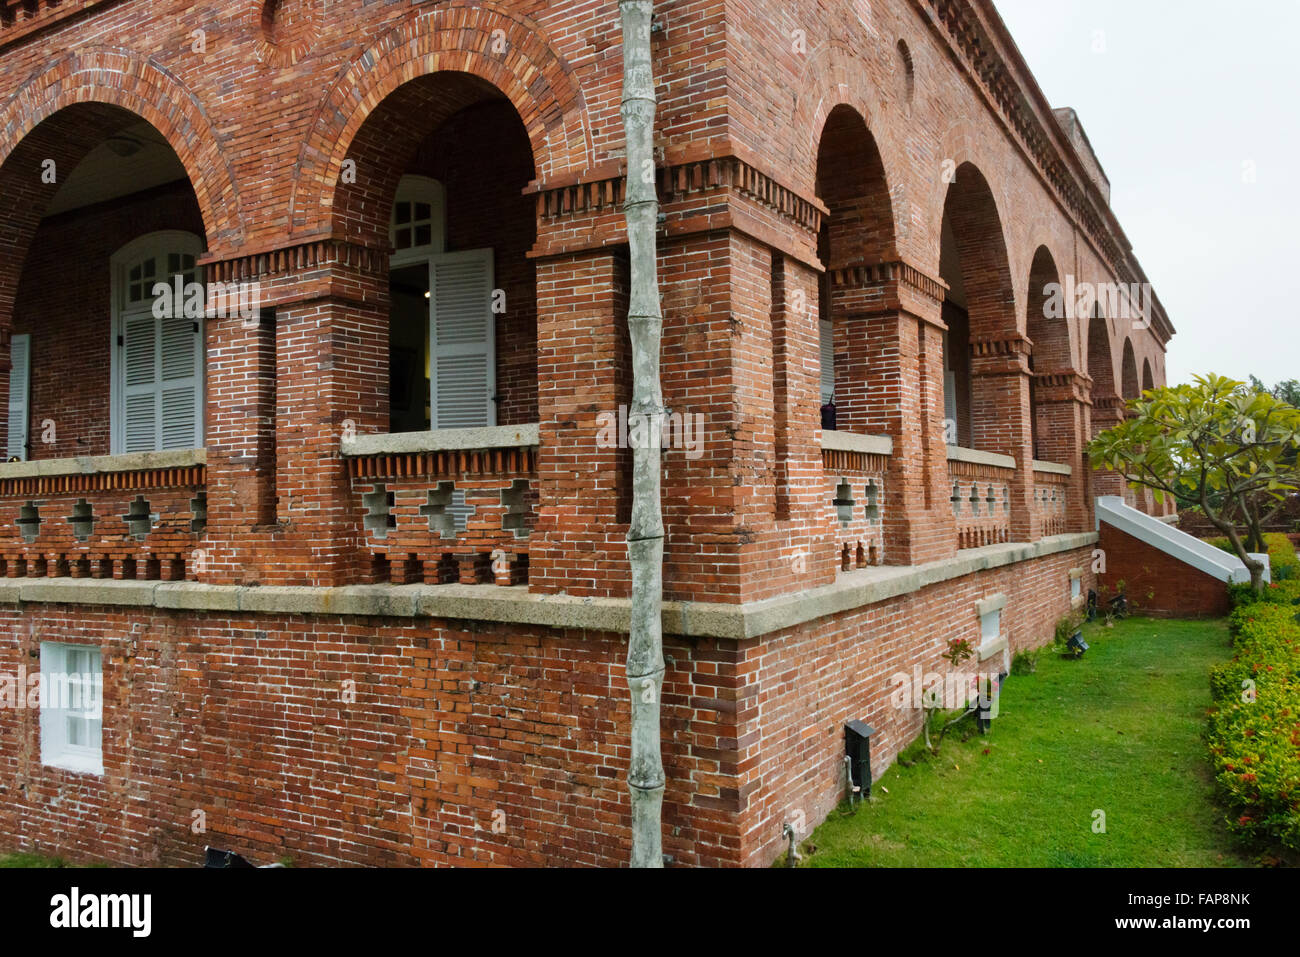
{"x": 383, "y": 742}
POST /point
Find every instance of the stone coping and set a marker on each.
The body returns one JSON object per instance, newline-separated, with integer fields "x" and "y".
{"x": 1052, "y": 468}
{"x": 973, "y": 457}
{"x": 850, "y": 442}
{"x": 514, "y": 605}
{"x": 95, "y": 464}
{"x": 443, "y": 440}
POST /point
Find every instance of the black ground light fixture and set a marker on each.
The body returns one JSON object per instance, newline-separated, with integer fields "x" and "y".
{"x": 218, "y": 859}
{"x": 1077, "y": 645}
{"x": 1119, "y": 606}
{"x": 857, "y": 745}
{"x": 1092, "y": 605}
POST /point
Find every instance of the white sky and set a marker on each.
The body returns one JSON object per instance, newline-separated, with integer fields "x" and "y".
{"x": 1184, "y": 94}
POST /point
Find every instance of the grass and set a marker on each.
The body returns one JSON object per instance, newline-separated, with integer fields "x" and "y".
{"x": 30, "y": 860}
{"x": 1120, "y": 731}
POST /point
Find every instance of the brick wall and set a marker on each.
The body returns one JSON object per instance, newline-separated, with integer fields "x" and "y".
{"x": 1157, "y": 584}
{"x": 398, "y": 743}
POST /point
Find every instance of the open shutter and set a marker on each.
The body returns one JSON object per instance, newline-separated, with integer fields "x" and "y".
{"x": 826, "y": 329}
{"x": 462, "y": 340}
{"x": 140, "y": 383}
{"x": 20, "y": 378}
{"x": 178, "y": 401}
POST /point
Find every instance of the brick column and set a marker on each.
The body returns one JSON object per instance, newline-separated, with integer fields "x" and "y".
{"x": 1000, "y": 420}
{"x": 1061, "y": 409}
{"x": 889, "y": 351}
{"x": 1107, "y": 412}
{"x": 583, "y": 376}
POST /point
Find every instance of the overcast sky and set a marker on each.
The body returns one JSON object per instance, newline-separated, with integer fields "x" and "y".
{"x": 1180, "y": 96}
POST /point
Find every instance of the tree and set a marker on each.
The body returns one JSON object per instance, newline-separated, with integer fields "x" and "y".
{"x": 645, "y": 537}
{"x": 1218, "y": 444}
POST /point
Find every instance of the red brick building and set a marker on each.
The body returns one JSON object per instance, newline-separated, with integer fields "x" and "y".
{"x": 347, "y": 545}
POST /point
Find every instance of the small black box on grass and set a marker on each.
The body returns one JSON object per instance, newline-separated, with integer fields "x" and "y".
{"x": 857, "y": 745}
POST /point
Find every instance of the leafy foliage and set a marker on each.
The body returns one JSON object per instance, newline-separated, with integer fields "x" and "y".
{"x": 1255, "y": 733}
{"x": 1217, "y": 444}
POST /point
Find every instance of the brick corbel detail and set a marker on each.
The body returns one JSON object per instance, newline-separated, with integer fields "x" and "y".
{"x": 699, "y": 193}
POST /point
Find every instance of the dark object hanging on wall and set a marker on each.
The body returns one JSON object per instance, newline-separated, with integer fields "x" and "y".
{"x": 828, "y": 416}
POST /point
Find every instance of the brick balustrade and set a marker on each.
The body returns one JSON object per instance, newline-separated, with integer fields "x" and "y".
{"x": 453, "y": 506}
{"x": 1051, "y": 497}
{"x": 981, "y": 496}
{"x": 136, "y": 516}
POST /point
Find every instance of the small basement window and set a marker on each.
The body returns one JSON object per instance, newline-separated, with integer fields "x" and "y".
{"x": 72, "y": 707}
{"x": 992, "y": 641}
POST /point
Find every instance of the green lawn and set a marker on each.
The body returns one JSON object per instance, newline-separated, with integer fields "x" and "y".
{"x": 30, "y": 860}
{"x": 1119, "y": 731}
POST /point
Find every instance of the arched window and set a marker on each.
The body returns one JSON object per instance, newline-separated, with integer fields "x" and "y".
{"x": 157, "y": 346}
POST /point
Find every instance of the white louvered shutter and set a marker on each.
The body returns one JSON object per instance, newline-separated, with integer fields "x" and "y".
{"x": 826, "y": 329}
{"x": 140, "y": 383}
{"x": 462, "y": 340}
{"x": 161, "y": 377}
{"x": 178, "y": 388}
{"x": 20, "y": 378}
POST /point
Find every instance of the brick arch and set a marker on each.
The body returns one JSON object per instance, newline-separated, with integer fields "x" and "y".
{"x": 458, "y": 37}
{"x": 853, "y": 184}
{"x": 1129, "y": 373}
{"x": 1047, "y": 316}
{"x": 125, "y": 79}
{"x": 982, "y": 249}
{"x": 835, "y": 78}
{"x": 1101, "y": 356}
{"x": 1148, "y": 380}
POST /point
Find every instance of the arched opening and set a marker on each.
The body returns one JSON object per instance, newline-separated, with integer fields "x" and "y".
{"x": 979, "y": 307}
{"x": 1048, "y": 328}
{"x": 449, "y": 158}
{"x": 1101, "y": 363}
{"x": 1129, "y": 380}
{"x": 108, "y": 307}
{"x": 858, "y": 232}
{"x": 1148, "y": 381}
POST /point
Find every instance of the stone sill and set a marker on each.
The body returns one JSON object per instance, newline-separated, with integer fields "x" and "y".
{"x": 995, "y": 647}
{"x": 1052, "y": 468}
{"x": 514, "y": 604}
{"x": 850, "y": 442}
{"x": 99, "y": 464}
{"x": 973, "y": 457}
{"x": 443, "y": 440}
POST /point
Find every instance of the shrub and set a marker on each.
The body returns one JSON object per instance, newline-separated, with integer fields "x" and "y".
{"x": 1282, "y": 558}
{"x": 1254, "y": 734}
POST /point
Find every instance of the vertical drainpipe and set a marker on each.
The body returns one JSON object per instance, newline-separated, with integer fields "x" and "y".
{"x": 645, "y": 538}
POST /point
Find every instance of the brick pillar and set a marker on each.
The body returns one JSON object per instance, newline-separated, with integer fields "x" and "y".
{"x": 583, "y": 376}
{"x": 889, "y": 352}
{"x": 1061, "y": 410}
{"x": 1107, "y": 412}
{"x": 1000, "y": 420}
{"x": 239, "y": 437}
{"x": 331, "y": 348}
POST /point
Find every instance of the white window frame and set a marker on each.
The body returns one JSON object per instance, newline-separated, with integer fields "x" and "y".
{"x": 420, "y": 189}
{"x": 56, "y": 749}
{"x": 157, "y": 244}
